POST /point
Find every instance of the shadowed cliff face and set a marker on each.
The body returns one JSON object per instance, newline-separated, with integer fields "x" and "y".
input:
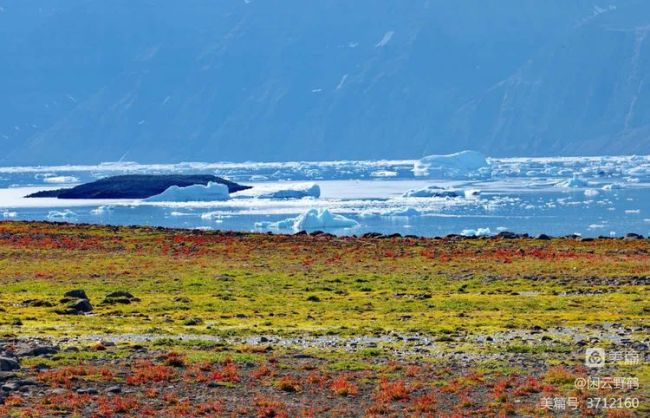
{"x": 282, "y": 80}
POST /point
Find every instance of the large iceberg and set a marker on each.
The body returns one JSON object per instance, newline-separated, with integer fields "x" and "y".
{"x": 195, "y": 193}
{"x": 311, "y": 220}
{"x": 460, "y": 164}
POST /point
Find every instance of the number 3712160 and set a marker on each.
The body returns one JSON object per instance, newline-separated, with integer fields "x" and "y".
{"x": 612, "y": 403}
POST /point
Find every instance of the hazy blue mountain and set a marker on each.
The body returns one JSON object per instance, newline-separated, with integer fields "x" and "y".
{"x": 586, "y": 93}
{"x": 163, "y": 81}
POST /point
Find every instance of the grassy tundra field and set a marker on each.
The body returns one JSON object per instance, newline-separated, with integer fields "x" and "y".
{"x": 175, "y": 323}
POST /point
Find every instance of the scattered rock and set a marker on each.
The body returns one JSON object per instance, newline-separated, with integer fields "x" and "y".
{"x": 75, "y": 294}
{"x": 8, "y": 364}
{"x": 114, "y": 389}
{"x": 10, "y": 387}
{"x": 120, "y": 297}
{"x": 4, "y": 376}
{"x": 80, "y": 306}
{"x": 38, "y": 351}
{"x": 38, "y": 303}
{"x": 87, "y": 391}
{"x": 193, "y": 321}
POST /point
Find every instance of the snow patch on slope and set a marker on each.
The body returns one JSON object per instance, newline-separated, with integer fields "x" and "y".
{"x": 386, "y": 39}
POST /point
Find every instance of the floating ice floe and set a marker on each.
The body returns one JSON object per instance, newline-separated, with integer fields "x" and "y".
{"x": 480, "y": 232}
{"x": 311, "y": 220}
{"x": 63, "y": 215}
{"x": 613, "y": 186}
{"x": 195, "y": 193}
{"x": 460, "y": 164}
{"x": 101, "y": 210}
{"x": 217, "y": 217}
{"x": 383, "y": 173}
{"x": 7, "y": 214}
{"x": 61, "y": 180}
{"x": 408, "y": 211}
{"x": 591, "y": 192}
{"x": 573, "y": 182}
{"x": 436, "y": 191}
{"x": 296, "y": 191}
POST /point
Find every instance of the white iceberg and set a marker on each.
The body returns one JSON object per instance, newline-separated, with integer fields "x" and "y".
{"x": 434, "y": 191}
{"x": 296, "y": 191}
{"x": 573, "y": 183}
{"x": 311, "y": 220}
{"x": 61, "y": 180}
{"x": 480, "y": 232}
{"x": 460, "y": 164}
{"x": 60, "y": 216}
{"x": 217, "y": 217}
{"x": 7, "y": 214}
{"x": 195, "y": 193}
{"x": 102, "y": 210}
{"x": 613, "y": 186}
{"x": 383, "y": 173}
{"x": 408, "y": 211}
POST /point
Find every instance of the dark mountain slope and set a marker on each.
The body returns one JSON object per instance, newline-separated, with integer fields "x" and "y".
{"x": 588, "y": 93}
{"x": 238, "y": 80}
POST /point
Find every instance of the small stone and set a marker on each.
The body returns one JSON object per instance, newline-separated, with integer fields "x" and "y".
{"x": 193, "y": 321}
{"x": 4, "y": 376}
{"x": 114, "y": 389}
{"x": 87, "y": 391}
{"x": 10, "y": 387}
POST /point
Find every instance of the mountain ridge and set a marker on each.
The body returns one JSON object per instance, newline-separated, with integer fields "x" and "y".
{"x": 274, "y": 81}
